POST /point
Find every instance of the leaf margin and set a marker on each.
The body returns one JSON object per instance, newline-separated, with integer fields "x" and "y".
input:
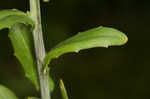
{"x": 51, "y": 56}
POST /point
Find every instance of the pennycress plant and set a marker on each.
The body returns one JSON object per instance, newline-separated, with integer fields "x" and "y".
{"x": 25, "y": 33}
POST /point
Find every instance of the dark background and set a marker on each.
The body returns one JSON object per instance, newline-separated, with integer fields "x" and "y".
{"x": 99, "y": 73}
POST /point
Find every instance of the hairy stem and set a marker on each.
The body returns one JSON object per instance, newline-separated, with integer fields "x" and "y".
{"x": 39, "y": 48}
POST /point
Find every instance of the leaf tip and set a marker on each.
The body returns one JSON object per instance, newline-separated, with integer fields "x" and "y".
{"x": 126, "y": 39}
{"x": 61, "y": 83}
{"x": 63, "y": 90}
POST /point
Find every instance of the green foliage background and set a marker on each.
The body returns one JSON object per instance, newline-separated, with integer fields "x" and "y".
{"x": 99, "y": 73}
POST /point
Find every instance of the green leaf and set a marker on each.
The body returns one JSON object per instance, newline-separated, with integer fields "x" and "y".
{"x": 6, "y": 93}
{"x": 96, "y": 37}
{"x": 8, "y": 12}
{"x": 51, "y": 84}
{"x": 6, "y": 22}
{"x": 10, "y": 17}
{"x": 21, "y": 39}
{"x": 63, "y": 90}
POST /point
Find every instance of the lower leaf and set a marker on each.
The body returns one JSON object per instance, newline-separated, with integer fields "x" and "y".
{"x": 21, "y": 39}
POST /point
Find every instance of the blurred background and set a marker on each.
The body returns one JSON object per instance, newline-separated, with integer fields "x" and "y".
{"x": 99, "y": 73}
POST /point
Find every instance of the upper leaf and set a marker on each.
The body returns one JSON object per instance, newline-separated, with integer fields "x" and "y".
{"x": 10, "y": 17}
{"x": 21, "y": 39}
{"x": 6, "y": 93}
{"x": 8, "y": 12}
{"x": 96, "y": 37}
{"x": 6, "y": 22}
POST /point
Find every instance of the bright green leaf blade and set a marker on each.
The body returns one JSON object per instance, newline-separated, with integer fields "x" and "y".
{"x": 63, "y": 90}
{"x": 13, "y": 16}
{"x": 7, "y": 21}
{"x": 51, "y": 84}
{"x": 96, "y": 37}
{"x": 6, "y": 93}
{"x": 21, "y": 39}
{"x": 8, "y": 12}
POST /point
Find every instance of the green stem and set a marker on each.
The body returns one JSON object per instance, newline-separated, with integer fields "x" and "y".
{"x": 39, "y": 48}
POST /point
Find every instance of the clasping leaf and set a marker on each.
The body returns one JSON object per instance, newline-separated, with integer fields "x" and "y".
{"x": 10, "y": 17}
{"x": 20, "y": 26}
{"x": 21, "y": 39}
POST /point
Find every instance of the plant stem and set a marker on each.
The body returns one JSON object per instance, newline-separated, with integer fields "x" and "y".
{"x": 39, "y": 48}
